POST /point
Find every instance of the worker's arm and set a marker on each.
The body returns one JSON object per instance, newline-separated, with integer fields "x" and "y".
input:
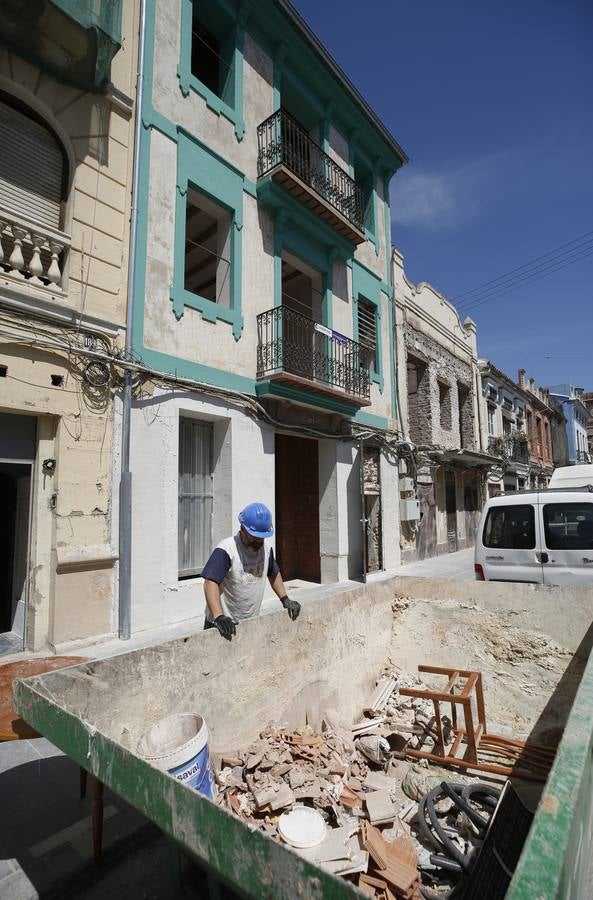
{"x": 212, "y": 594}
{"x": 213, "y": 573}
{"x": 224, "y": 623}
{"x": 293, "y": 607}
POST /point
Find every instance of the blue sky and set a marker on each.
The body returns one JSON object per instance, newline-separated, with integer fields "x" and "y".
{"x": 493, "y": 103}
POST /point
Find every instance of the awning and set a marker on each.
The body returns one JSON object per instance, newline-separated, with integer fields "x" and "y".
{"x": 466, "y": 457}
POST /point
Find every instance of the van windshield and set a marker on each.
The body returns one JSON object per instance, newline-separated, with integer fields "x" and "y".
{"x": 510, "y": 527}
{"x": 568, "y": 526}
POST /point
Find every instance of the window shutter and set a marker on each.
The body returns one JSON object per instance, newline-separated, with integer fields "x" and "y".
{"x": 195, "y": 496}
{"x": 31, "y": 169}
{"x": 367, "y": 330}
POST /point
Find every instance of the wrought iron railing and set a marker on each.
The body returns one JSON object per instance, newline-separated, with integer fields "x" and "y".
{"x": 292, "y": 343}
{"x": 509, "y": 448}
{"x": 582, "y": 456}
{"x": 281, "y": 140}
{"x": 519, "y": 451}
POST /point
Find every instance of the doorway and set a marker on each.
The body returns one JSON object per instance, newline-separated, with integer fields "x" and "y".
{"x": 15, "y": 493}
{"x": 297, "y": 507}
{"x": 17, "y": 453}
{"x": 451, "y": 508}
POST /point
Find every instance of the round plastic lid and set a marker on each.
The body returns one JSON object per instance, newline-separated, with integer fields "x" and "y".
{"x": 302, "y": 827}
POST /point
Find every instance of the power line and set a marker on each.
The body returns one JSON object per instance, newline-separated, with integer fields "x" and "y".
{"x": 567, "y": 257}
{"x": 525, "y": 265}
{"x": 532, "y": 277}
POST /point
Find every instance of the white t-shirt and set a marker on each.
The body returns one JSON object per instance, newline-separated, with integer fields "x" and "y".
{"x": 245, "y": 573}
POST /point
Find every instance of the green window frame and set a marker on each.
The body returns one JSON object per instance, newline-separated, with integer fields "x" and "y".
{"x": 201, "y": 169}
{"x": 368, "y": 287}
{"x": 221, "y": 19}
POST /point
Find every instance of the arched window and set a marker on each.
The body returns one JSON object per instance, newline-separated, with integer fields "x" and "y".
{"x": 33, "y": 186}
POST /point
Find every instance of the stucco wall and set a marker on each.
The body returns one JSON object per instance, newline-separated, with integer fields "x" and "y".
{"x": 72, "y": 548}
{"x": 191, "y": 337}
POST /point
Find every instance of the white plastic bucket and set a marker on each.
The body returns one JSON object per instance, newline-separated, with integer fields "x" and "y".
{"x": 178, "y": 745}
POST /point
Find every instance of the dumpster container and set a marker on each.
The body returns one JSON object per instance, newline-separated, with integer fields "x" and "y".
{"x": 531, "y": 643}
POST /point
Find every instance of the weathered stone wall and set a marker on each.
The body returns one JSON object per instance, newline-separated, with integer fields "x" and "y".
{"x": 439, "y": 365}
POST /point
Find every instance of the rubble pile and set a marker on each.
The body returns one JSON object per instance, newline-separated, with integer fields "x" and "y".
{"x": 356, "y": 778}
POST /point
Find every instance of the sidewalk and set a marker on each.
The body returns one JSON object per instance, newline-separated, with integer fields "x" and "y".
{"x": 46, "y": 847}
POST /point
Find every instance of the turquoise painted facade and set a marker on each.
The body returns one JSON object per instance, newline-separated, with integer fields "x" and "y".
{"x": 225, "y": 246}
{"x": 210, "y": 141}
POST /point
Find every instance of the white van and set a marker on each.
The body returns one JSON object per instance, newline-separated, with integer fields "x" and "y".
{"x": 544, "y": 537}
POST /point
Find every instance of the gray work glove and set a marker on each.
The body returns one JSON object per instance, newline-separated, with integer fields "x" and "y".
{"x": 293, "y": 607}
{"x": 226, "y": 626}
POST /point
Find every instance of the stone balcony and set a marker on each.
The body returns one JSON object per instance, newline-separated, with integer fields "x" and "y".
{"x": 32, "y": 255}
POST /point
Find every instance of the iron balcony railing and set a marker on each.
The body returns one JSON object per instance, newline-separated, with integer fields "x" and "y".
{"x": 291, "y": 343}
{"x": 582, "y": 456}
{"x": 519, "y": 451}
{"x": 281, "y": 140}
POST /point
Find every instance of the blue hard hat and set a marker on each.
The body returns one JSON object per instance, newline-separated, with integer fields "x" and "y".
{"x": 256, "y": 519}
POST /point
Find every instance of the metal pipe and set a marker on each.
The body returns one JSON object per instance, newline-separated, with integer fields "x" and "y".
{"x": 125, "y": 485}
{"x": 363, "y": 520}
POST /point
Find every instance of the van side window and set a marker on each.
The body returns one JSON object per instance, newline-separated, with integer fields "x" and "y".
{"x": 568, "y": 526}
{"x": 510, "y": 527}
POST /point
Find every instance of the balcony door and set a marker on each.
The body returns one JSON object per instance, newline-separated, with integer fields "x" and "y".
{"x": 303, "y": 345}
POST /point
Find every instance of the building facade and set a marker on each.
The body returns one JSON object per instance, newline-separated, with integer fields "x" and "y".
{"x": 577, "y": 418}
{"x": 587, "y": 398}
{"x": 437, "y": 377}
{"x": 504, "y": 429}
{"x": 540, "y": 416}
{"x": 262, "y": 304}
{"x": 67, "y": 79}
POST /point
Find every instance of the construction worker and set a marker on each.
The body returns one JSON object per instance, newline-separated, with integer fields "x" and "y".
{"x": 235, "y": 575}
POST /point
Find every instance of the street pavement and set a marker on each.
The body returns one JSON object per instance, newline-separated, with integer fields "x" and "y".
{"x": 46, "y": 848}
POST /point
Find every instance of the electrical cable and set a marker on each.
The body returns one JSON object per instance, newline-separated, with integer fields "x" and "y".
{"x": 226, "y": 394}
{"x": 544, "y": 256}
{"x": 521, "y": 282}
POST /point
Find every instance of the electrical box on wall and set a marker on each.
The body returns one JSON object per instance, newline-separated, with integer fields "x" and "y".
{"x": 409, "y": 510}
{"x": 406, "y": 484}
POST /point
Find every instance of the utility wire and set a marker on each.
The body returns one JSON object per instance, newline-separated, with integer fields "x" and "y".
{"x": 567, "y": 259}
{"x": 527, "y": 265}
{"x": 568, "y": 256}
{"x": 534, "y": 276}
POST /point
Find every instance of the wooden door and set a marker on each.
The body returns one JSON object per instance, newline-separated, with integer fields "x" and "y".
{"x": 297, "y": 508}
{"x": 451, "y": 507}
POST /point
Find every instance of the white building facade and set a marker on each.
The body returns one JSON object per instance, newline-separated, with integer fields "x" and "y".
{"x": 504, "y": 429}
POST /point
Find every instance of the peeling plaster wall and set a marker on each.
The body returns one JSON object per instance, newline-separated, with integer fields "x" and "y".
{"x": 243, "y": 472}
{"x": 71, "y": 591}
{"x": 192, "y": 337}
{"x": 72, "y": 507}
{"x": 430, "y": 334}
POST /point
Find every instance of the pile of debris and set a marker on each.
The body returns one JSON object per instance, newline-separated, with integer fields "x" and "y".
{"x": 360, "y": 796}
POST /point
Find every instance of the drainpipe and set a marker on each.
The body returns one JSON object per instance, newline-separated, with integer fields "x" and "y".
{"x": 363, "y": 520}
{"x": 125, "y": 485}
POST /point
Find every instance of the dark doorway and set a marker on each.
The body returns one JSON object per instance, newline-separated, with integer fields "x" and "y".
{"x": 426, "y": 536}
{"x": 15, "y": 485}
{"x": 297, "y": 508}
{"x": 451, "y": 507}
{"x": 471, "y": 505}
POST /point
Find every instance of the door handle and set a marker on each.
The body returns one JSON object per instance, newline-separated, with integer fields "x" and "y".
{"x": 494, "y": 557}
{"x": 543, "y": 557}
